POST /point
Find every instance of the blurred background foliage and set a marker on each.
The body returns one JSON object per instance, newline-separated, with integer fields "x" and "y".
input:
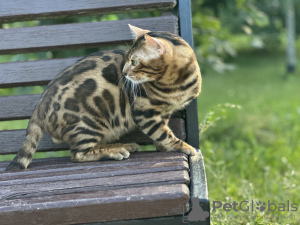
{"x": 249, "y": 109}
{"x": 224, "y": 27}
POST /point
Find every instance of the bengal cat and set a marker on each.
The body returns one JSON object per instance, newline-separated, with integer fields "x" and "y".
{"x": 92, "y": 103}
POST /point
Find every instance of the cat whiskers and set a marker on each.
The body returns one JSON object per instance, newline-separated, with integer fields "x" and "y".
{"x": 123, "y": 81}
{"x": 131, "y": 94}
{"x": 145, "y": 90}
{"x": 134, "y": 91}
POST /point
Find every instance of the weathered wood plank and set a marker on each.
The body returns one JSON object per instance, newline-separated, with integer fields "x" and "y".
{"x": 48, "y": 187}
{"x": 80, "y": 172}
{"x": 32, "y": 73}
{"x": 79, "y": 35}
{"x": 11, "y": 141}
{"x": 19, "y": 10}
{"x": 99, "y": 206}
{"x": 17, "y": 107}
{"x": 52, "y": 165}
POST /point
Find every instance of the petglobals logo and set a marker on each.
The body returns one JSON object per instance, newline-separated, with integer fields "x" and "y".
{"x": 252, "y": 206}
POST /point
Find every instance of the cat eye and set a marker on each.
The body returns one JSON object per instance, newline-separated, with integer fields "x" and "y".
{"x": 134, "y": 62}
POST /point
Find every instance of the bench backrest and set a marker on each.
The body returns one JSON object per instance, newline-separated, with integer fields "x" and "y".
{"x": 175, "y": 18}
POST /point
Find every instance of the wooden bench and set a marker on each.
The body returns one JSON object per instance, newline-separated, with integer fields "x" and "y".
{"x": 149, "y": 187}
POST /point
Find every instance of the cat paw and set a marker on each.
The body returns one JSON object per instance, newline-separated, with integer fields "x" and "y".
{"x": 56, "y": 141}
{"x": 178, "y": 147}
{"x": 187, "y": 149}
{"x": 116, "y": 153}
{"x": 131, "y": 147}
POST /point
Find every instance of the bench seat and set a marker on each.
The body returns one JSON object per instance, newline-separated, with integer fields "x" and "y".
{"x": 96, "y": 191}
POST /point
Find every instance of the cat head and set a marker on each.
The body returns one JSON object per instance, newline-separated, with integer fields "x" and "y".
{"x": 148, "y": 58}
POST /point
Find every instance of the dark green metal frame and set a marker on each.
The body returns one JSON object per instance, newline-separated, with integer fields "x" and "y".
{"x": 197, "y": 173}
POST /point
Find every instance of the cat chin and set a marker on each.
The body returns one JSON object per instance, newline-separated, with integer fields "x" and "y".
{"x": 137, "y": 81}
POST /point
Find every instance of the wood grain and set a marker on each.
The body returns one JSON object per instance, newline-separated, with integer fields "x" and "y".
{"x": 62, "y": 169}
{"x": 12, "y": 140}
{"x": 98, "y": 206}
{"x": 148, "y": 184}
{"x": 19, "y": 10}
{"x": 78, "y": 35}
{"x": 84, "y": 183}
{"x": 40, "y": 72}
{"x": 17, "y": 107}
{"x": 53, "y": 165}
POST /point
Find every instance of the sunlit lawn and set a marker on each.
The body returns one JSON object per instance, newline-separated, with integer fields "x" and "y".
{"x": 253, "y": 153}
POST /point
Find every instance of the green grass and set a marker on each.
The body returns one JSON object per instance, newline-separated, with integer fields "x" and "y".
{"x": 254, "y": 152}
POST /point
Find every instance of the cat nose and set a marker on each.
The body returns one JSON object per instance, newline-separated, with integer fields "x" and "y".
{"x": 124, "y": 73}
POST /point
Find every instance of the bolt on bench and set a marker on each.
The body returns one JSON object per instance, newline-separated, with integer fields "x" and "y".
{"x": 147, "y": 188}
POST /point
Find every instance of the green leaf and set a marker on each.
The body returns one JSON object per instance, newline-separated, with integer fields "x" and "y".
{"x": 260, "y": 19}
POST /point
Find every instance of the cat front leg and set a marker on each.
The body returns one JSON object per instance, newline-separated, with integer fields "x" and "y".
{"x": 164, "y": 139}
{"x": 172, "y": 143}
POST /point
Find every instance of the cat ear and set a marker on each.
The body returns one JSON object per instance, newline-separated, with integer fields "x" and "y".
{"x": 137, "y": 32}
{"x": 156, "y": 44}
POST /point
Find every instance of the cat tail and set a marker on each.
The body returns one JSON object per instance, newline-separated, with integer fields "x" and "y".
{"x": 24, "y": 156}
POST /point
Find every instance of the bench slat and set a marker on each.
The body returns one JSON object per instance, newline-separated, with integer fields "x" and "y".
{"x": 11, "y": 140}
{"x": 40, "y": 72}
{"x": 53, "y": 165}
{"x": 99, "y": 206}
{"x": 51, "y": 186}
{"x": 17, "y": 107}
{"x": 19, "y": 10}
{"x": 138, "y": 163}
{"x": 80, "y": 35}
